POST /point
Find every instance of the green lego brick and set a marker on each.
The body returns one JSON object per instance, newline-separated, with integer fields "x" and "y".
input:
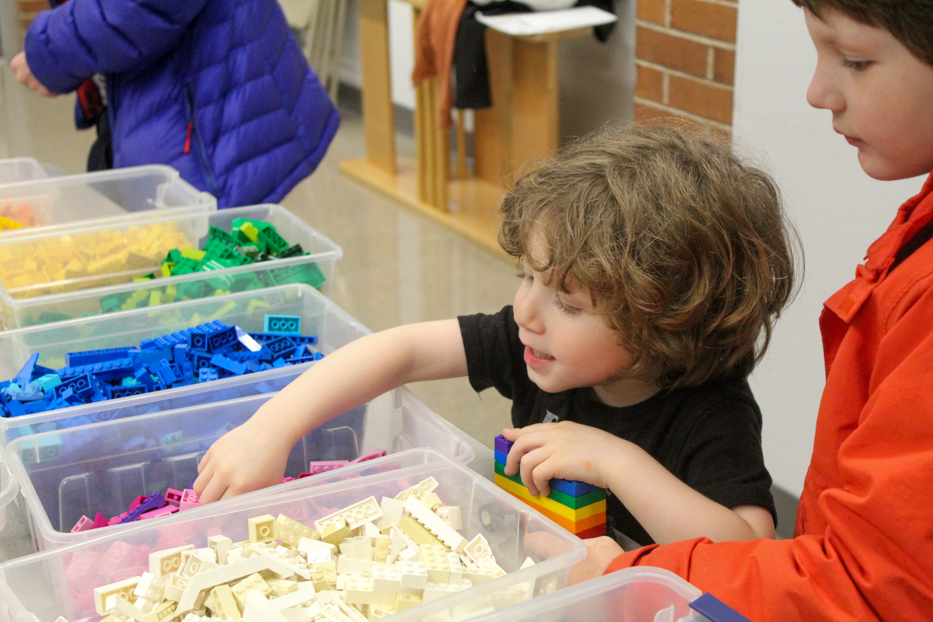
{"x": 564, "y": 499}
{"x": 294, "y": 250}
{"x": 48, "y": 316}
{"x": 309, "y": 274}
{"x": 273, "y": 240}
{"x": 218, "y": 234}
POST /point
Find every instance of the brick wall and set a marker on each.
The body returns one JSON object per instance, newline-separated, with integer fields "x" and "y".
{"x": 685, "y": 59}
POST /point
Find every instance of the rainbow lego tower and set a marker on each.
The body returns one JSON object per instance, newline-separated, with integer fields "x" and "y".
{"x": 578, "y": 507}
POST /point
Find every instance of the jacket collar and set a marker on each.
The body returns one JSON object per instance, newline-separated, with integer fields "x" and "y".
{"x": 911, "y": 217}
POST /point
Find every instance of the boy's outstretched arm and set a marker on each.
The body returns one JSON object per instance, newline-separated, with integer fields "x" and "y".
{"x": 667, "y": 508}
{"x": 253, "y": 455}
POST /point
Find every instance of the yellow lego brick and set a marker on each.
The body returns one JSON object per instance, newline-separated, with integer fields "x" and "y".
{"x": 549, "y": 504}
{"x": 224, "y": 310}
{"x": 250, "y": 231}
{"x": 190, "y": 253}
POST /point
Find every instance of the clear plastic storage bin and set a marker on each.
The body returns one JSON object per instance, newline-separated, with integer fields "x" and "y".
{"x": 14, "y": 170}
{"x": 8, "y": 490}
{"x": 319, "y": 315}
{"x": 107, "y": 291}
{"x": 59, "y": 203}
{"x": 60, "y": 583}
{"x": 629, "y": 595}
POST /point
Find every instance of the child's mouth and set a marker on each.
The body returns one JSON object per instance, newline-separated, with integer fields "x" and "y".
{"x": 535, "y": 358}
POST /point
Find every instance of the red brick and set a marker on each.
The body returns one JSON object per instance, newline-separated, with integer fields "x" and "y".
{"x": 709, "y": 19}
{"x": 671, "y": 51}
{"x": 650, "y": 83}
{"x": 652, "y": 11}
{"x": 723, "y": 66}
{"x": 701, "y": 98}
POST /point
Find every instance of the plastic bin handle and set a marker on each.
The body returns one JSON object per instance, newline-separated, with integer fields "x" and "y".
{"x": 716, "y": 610}
{"x": 8, "y": 493}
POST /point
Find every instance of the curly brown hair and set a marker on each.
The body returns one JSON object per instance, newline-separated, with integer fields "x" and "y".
{"x": 686, "y": 250}
{"x": 907, "y": 20}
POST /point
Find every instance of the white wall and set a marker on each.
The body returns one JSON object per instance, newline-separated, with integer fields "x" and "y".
{"x": 838, "y": 211}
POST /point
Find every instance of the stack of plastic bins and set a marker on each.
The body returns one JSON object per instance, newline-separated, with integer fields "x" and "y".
{"x": 111, "y": 291}
{"x": 121, "y": 194}
{"x": 14, "y": 170}
{"x": 44, "y": 586}
{"x": 319, "y": 315}
{"x": 630, "y": 595}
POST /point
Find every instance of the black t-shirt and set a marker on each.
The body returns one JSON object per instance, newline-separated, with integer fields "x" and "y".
{"x": 708, "y": 436}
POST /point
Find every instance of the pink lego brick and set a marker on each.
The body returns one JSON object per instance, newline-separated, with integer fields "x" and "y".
{"x": 304, "y": 475}
{"x": 83, "y": 524}
{"x": 189, "y": 499}
{"x": 79, "y": 565}
{"x": 173, "y": 496}
{"x": 287, "y": 479}
{"x": 139, "y": 499}
{"x": 100, "y": 521}
{"x": 163, "y": 511}
{"x": 326, "y": 465}
{"x": 378, "y": 453}
{"x": 119, "y": 555}
{"x": 116, "y": 519}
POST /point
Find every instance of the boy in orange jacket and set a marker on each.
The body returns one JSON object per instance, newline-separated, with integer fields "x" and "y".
{"x": 864, "y": 536}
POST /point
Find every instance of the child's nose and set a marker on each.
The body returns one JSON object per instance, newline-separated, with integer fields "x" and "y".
{"x": 525, "y": 309}
{"x": 822, "y": 94}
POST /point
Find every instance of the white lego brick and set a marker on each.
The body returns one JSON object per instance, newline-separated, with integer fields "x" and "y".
{"x": 386, "y": 578}
{"x": 227, "y": 574}
{"x": 150, "y": 587}
{"x": 431, "y": 501}
{"x": 354, "y": 515}
{"x": 451, "y": 515}
{"x": 258, "y": 609}
{"x": 360, "y": 547}
{"x": 407, "y": 601}
{"x": 175, "y": 587}
{"x": 434, "y": 559}
{"x": 298, "y": 614}
{"x": 291, "y": 531}
{"x": 478, "y": 550}
{"x": 418, "y": 490}
{"x": 196, "y": 565}
{"x": 433, "y": 591}
{"x": 119, "y": 603}
{"x": 381, "y": 546}
{"x": 224, "y": 604}
{"x": 433, "y": 523}
{"x": 391, "y": 512}
{"x": 261, "y": 528}
{"x": 413, "y": 575}
{"x": 350, "y": 611}
{"x": 221, "y": 546}
{"x": 294, "y": 564}
{"x": 144, "y": 605}
{"x": 528, "y": 563}
{"x": 358, "y": 590}
{"x": 303, "y": 596}
{"x": 307, "y": 544}
{"x": 331, "y": 613}
{"x": 456, "y": 568}
{"x": 319, "y": 557}
{"x": 409, "y": 554}
{"x": 370, "y": 530}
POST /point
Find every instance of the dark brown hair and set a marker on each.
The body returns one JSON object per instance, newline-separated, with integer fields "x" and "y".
{"x": 909, "y": 21}
{"x": 685, "y": 249}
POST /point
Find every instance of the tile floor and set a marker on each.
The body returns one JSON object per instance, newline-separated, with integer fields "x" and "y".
{"x": 398, "y": 266}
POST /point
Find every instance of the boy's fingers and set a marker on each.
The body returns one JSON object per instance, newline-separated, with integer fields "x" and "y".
{"x": 214, "y": 491}
{"x": 529, "y": 462}
{"x": 542, "y": 475}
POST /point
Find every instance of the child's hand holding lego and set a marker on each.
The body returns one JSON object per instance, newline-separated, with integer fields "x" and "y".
{"x": 564, "y": 450}
{"x": 247, "y": 458}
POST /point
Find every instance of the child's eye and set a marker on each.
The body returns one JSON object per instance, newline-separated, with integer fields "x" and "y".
{"x": 857, "y": 65}
{"x": 525, "y": 276}
{"x": 566, "y": 308}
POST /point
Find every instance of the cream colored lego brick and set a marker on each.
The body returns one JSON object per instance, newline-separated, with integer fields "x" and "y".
{"x": 103, "y": 592}
{"x": 291, "y": 531}
{"x": 409, "y": 554}
{"x": 359, "y": 590}
{"x": 207, "y": 554}
{"x": 433, "y": 591}
{"x": 235, "y": 555}
{"x": 391, "y": 512}
{"x": 399, "y": 541}
{"x": 196, "y": 565}
{"x": 331, "y": 613}
{"x": 151, "y": 587}
{"x": 175, "y": 589}
{"x": 261, "y": 528}
{"x": 228, "y": 574}
{"x": 478, "y": 550}
{"x": 431, "y": 501}
{"x": 418, "y": 532}
{"x": 413, "y": 575}
{"x": 167, "y": 561}
{"x": 451, "y": 515}
{"x": 298, "y": 614}
{"x": 224, "y": 603}
{"x": 162, "y": 613}
{"x": 281, "y": 587}
{"x": 319, "y": 556}
{"x": 433, "y": 523}
{"x": 359, "y": 548}
{"x": 378, "y": 612}
{"x": 351, "y": 565}
{"x": 370, "y": 530}
{"x": 143, "y": 604}
{"x": 324, "y": 576}
{"x": 341, "y": 580}
{"x": 418, "y": 490}
{"x": 258, "y": 609}
{"x": 243, "y": 588}
{"x": 335, "y": 532}
{"x": 302, "y": 596}
{"x": 118, "y": 602}
{"x": 350, "y": 611}
{"x": 354, "y": 515}
{"x": 386, "y": 578}
{"x": 456, "y": 568}
{"x": 221, "y": 546}
{"x": 528, "y": 563}
{"x": 406, "y": 601}
{"x": 434, "y": 559}
{"x": 477, "y": 575}
{"x": 279, "y": 555}
{"x": 381, "y": 546}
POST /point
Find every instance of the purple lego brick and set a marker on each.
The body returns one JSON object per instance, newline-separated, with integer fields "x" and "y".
{"x": 503, "y": 444}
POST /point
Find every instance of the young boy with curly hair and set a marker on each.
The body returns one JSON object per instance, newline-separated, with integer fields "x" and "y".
{"x": 653, "y": 264}
{"x": 863, "y": 545}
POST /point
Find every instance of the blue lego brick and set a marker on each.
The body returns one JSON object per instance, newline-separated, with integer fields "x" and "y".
{"x": 206, "y": 374}
{"x": 89, "y": 357}
{"x": 197, "y": 340}
{"x": 501, "y": 458}
{"x": 228, "y": 365}
{"x": 104, "y": 371}
{"x": 290, "y": 324}
{"x": 224, "y": 338}
{"x": 30, "y": 393}
{"x": 296, "y": 339}
{"x": 48, "y": 381}
{"x": 164, "y": 371}
{"x": 24, "y": 376}
{"x": 118, "y": 392}
{"x": 715, "y": 610}
{"x": 180, "y": 352}
{"x": 317, "y": 356}
{"x": 282, "y": 348}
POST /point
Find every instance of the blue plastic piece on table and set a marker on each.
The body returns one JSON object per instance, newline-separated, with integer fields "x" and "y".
{"x": 89, "y": 357}
{"x": 289, "y": 324}
{"x": 716, "y": 610}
